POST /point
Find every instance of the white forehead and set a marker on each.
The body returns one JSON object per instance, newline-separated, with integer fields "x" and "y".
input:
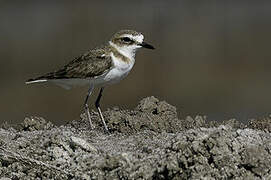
{"x": 137, "y": 38}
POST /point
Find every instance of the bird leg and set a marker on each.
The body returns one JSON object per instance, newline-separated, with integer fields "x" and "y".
{"x": 97, "y": 104}
{"x": 91, "y": 87}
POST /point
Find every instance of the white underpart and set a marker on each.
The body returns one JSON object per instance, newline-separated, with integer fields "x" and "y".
{"x": 69, "y": 83}
{"x": 120, "y": 70}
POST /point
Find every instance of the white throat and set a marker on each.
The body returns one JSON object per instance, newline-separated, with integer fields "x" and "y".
{"x": 128, "y": 52}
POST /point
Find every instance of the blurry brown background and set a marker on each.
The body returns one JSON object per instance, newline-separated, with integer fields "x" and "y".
{"x": 211, "y": 57}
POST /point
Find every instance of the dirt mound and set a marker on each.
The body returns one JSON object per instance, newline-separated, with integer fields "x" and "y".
{"x": 149, "y": 142}
{"x": 150, "y": 114}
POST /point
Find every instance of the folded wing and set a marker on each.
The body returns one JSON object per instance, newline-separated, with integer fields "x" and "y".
{"x": 89, "y": 65}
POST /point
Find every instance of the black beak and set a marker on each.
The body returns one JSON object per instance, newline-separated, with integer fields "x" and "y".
{"x": 145, "y": 45}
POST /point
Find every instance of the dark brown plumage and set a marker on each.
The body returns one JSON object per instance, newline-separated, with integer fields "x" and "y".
{"x": 89, "y": 65}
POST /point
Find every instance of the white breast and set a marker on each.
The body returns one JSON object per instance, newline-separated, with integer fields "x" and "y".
{"x": 120, "y": 70}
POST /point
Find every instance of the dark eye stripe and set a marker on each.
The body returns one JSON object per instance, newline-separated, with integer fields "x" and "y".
{"x": 126, "y": 39}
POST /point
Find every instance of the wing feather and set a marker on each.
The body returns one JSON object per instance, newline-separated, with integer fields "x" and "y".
{"x": 89, "y": 65}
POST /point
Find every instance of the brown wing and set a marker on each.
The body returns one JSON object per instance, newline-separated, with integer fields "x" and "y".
{"x": 89, "y": 65}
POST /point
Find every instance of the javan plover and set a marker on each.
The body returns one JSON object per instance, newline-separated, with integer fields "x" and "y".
{"x": 101, "y": 66}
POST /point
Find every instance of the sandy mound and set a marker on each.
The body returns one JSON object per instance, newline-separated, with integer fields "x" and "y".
{"x": 149, "y": 142}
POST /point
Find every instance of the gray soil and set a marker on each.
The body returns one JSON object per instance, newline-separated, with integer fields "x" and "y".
{"x": 149, "y": 142}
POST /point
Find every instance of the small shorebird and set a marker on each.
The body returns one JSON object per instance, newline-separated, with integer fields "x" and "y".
{"x": 101, "y": 66}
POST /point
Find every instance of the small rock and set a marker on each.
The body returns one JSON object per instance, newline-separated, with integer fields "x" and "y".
{"x": 60, "y": 153}
{"x": 233, "y": 123}
{"x": 261, "y": 124}
{"x": 148, "y": 104}
{"x": 35, "y": 123}
{"x": 75, "y": 141}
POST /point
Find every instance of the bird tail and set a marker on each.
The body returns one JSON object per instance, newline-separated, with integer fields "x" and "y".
{"x": 31, "y": 81}
{"x": 55, "y": 81}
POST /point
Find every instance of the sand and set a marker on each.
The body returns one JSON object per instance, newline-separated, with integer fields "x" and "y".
{"x": 148, "y": 142}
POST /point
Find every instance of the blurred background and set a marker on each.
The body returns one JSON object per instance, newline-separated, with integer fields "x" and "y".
{"x": 211, "y": 57}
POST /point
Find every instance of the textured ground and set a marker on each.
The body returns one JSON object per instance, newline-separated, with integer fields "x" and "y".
{"x": 149, "y": 142}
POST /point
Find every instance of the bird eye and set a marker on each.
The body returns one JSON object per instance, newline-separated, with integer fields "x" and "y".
{"x": 126, "y": 39}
